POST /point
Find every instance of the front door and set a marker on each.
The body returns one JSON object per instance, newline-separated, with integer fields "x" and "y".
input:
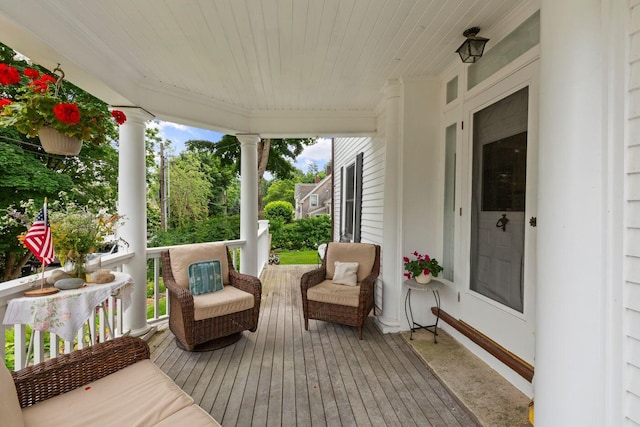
{"x": 499, "y": 300}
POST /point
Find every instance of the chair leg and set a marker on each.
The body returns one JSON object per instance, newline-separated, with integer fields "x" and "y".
{"x": 306, "y": 324}
{"x": 360, "y": 332}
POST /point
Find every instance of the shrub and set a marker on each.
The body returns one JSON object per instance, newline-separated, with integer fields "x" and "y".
{"x": 304, "y": 233}
{"x": 279, "y": 209}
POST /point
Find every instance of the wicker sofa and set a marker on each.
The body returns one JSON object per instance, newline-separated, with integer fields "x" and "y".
{"x": 110, "y": 384}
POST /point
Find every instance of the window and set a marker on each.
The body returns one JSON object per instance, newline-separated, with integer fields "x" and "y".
{"x": 351, "y": 202}
{"x": 314, "y": 200}
{"x": 449, "y": 202}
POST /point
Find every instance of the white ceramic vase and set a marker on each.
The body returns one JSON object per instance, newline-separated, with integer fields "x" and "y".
{"x": 423, "y": 278}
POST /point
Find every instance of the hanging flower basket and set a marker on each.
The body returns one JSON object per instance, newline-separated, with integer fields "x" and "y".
{"x": 54, "y": 142}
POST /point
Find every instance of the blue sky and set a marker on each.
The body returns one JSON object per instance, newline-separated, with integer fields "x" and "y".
{"x": 319, "y": 153}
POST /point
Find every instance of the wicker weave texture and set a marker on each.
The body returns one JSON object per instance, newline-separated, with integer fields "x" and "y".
{"x": 192, "y": 332}
{"x": 352, "y": 316}
{"x": 70, "y": 371}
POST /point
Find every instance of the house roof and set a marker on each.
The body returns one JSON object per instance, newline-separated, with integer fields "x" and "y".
{"x": 274, "y": 67}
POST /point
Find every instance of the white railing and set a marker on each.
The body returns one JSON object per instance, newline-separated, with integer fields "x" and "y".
{"x": 47, "y": 345}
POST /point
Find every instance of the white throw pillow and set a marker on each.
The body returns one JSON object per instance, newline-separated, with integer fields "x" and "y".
{"x": 346, "y": 273}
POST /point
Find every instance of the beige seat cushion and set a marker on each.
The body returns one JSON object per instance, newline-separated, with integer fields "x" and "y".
{"x": 182, "y": 256}
{"x": 329, "y": 292}
{"x": 191, "y": 416}
{"x": 10, "y": 411}
{"x": 228, "y": 300}
{"x": 138, "y": 395}
{"x": 362, "y": 253}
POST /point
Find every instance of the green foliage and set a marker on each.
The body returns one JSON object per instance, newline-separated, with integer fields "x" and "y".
{"x": 210, "y": 230}
{"x": 279, "y": 209}
{"x": 162, "y": 308}
{"x": 281, "y": 189}
{"x": 304, "y": 233}
{"x": 190, "y": 190}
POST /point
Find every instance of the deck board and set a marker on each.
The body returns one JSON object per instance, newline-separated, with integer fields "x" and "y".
{"x": 284, "y": 375}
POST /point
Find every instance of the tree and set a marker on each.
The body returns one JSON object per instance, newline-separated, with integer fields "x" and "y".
{"x": 190, "y": 190}
{"x": 281, "y": 189}
{"x": 274, "y": 155}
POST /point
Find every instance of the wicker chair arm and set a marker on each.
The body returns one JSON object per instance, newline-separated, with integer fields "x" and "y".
{"x": 312, "y": 278}
{"x": 244, "y": 282}
{"x": 70, "y": 371}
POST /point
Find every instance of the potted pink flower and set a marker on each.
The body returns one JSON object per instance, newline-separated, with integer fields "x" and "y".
{"x": 422, "y": 268}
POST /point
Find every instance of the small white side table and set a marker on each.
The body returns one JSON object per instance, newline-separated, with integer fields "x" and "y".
{"x": 434, "y": 286}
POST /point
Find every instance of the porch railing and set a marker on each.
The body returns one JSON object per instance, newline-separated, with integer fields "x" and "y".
{"x": 46, "y": 345}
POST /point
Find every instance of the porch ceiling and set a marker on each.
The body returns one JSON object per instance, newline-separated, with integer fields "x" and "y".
{"x": 276, "y": 67}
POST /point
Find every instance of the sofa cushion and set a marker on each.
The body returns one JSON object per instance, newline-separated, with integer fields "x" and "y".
{"x": 346, "y": 273}
{"x": 138, "y": 395}
{"x": 228, "y": 300}
{"x": 329, "y": 292}
{"x": 191, "y": 416}
{"x": 362, "y": 253}
{"x": 182, "y": 256}
{"x": 10, "y": 411}
{"x": 205, "y": 277}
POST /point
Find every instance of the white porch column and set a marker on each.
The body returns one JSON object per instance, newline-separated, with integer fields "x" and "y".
{"x": 391, "y": 249}
{"x": 571, "y": 322}
{"x": 132, "y": 197}
{"x": 249, "y": 202}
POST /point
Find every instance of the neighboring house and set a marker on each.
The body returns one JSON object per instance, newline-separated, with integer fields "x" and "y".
{"x": 313, "y": 199}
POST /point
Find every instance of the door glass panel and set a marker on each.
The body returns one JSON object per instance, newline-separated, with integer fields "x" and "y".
{"x": 449, "y": 202}
{"x": 498, "y": 200}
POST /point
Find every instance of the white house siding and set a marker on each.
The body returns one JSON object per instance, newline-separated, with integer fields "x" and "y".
{"x": 345, "y": 152}
{"x": 632, "y": 246}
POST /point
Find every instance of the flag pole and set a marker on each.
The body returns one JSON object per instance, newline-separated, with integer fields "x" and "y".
{"x": 42, "y": 291}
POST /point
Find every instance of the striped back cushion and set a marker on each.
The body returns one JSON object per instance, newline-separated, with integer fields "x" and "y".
{"x": 205, "y": 277}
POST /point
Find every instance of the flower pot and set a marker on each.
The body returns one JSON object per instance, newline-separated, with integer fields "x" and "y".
{"x": 423, "y": 278}
{"x": 54, "y": 142}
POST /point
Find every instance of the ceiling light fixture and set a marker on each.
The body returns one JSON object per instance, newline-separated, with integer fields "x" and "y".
{"x": 473, "y": 46}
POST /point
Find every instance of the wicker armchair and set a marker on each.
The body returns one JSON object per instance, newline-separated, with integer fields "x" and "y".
{"x": 324, "y": 300}
{"x": 218, "y": 329}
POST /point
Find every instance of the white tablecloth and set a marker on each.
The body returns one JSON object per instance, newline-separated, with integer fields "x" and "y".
{"x": 64, "y": 313}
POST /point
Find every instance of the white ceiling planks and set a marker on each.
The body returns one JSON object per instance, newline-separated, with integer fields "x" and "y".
{"x": 283, "y": 57}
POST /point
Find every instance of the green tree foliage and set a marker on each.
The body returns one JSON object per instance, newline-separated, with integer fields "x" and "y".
{"x": 281, "y": 189}
{"x": 279, "y": 210}
{"x": 274, "y": 155}
{"x": 190, "y": 190}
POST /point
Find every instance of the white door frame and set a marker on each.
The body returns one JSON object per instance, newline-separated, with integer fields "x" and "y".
{"x": 513, "y": 330}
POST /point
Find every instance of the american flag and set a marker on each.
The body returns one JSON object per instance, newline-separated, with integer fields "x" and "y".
{"x": 38, "y": 239}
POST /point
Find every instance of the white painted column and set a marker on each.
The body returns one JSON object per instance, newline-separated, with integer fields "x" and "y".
{"x": 132, "y": 197}
{"x": 249, "y": 202}
{"x": 571, "y": 278}
{"x": 391, "y": 249}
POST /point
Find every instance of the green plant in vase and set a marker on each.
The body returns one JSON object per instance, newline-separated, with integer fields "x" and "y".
{"x": 77, "y": 233}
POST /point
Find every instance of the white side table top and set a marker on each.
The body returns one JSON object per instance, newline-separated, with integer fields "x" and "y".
{"x": 433, "y": 285}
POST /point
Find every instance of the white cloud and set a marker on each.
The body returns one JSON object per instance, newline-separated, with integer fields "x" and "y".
{"x": 318, "y": 152}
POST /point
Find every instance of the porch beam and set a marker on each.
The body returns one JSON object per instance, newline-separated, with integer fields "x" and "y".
{"x": 132, "y": 196}
{"x": 249, "y": 202}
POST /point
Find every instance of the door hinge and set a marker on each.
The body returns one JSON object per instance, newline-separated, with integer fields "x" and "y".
{"x": 460, "y": 211}
{"x": 462, "y": 125}
{"x": 458, "y": 296}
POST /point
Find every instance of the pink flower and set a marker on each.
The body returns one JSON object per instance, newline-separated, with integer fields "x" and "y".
{"x": 405, "y": 259}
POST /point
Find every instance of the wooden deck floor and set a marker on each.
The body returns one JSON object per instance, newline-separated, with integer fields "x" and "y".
{"x": 284, "y": 375}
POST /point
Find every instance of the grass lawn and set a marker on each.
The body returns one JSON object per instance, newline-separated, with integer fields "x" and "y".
{"x": 298, "y": 257}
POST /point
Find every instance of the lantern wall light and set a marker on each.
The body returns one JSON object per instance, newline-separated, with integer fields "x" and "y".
{"x": 473, "y": 47}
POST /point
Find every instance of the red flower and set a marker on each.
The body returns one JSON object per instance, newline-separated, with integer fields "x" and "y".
{"x": 42, "y": 84}
{"x": 407, "y": 275}
{"x": 31, "y": 73}
{"x": 5, "y": 101}
{"x": 67, "y": 113}
{"x": 119, "y": 116}
{"x": 9, "y": 75}
{"x": 405, "y": 259}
